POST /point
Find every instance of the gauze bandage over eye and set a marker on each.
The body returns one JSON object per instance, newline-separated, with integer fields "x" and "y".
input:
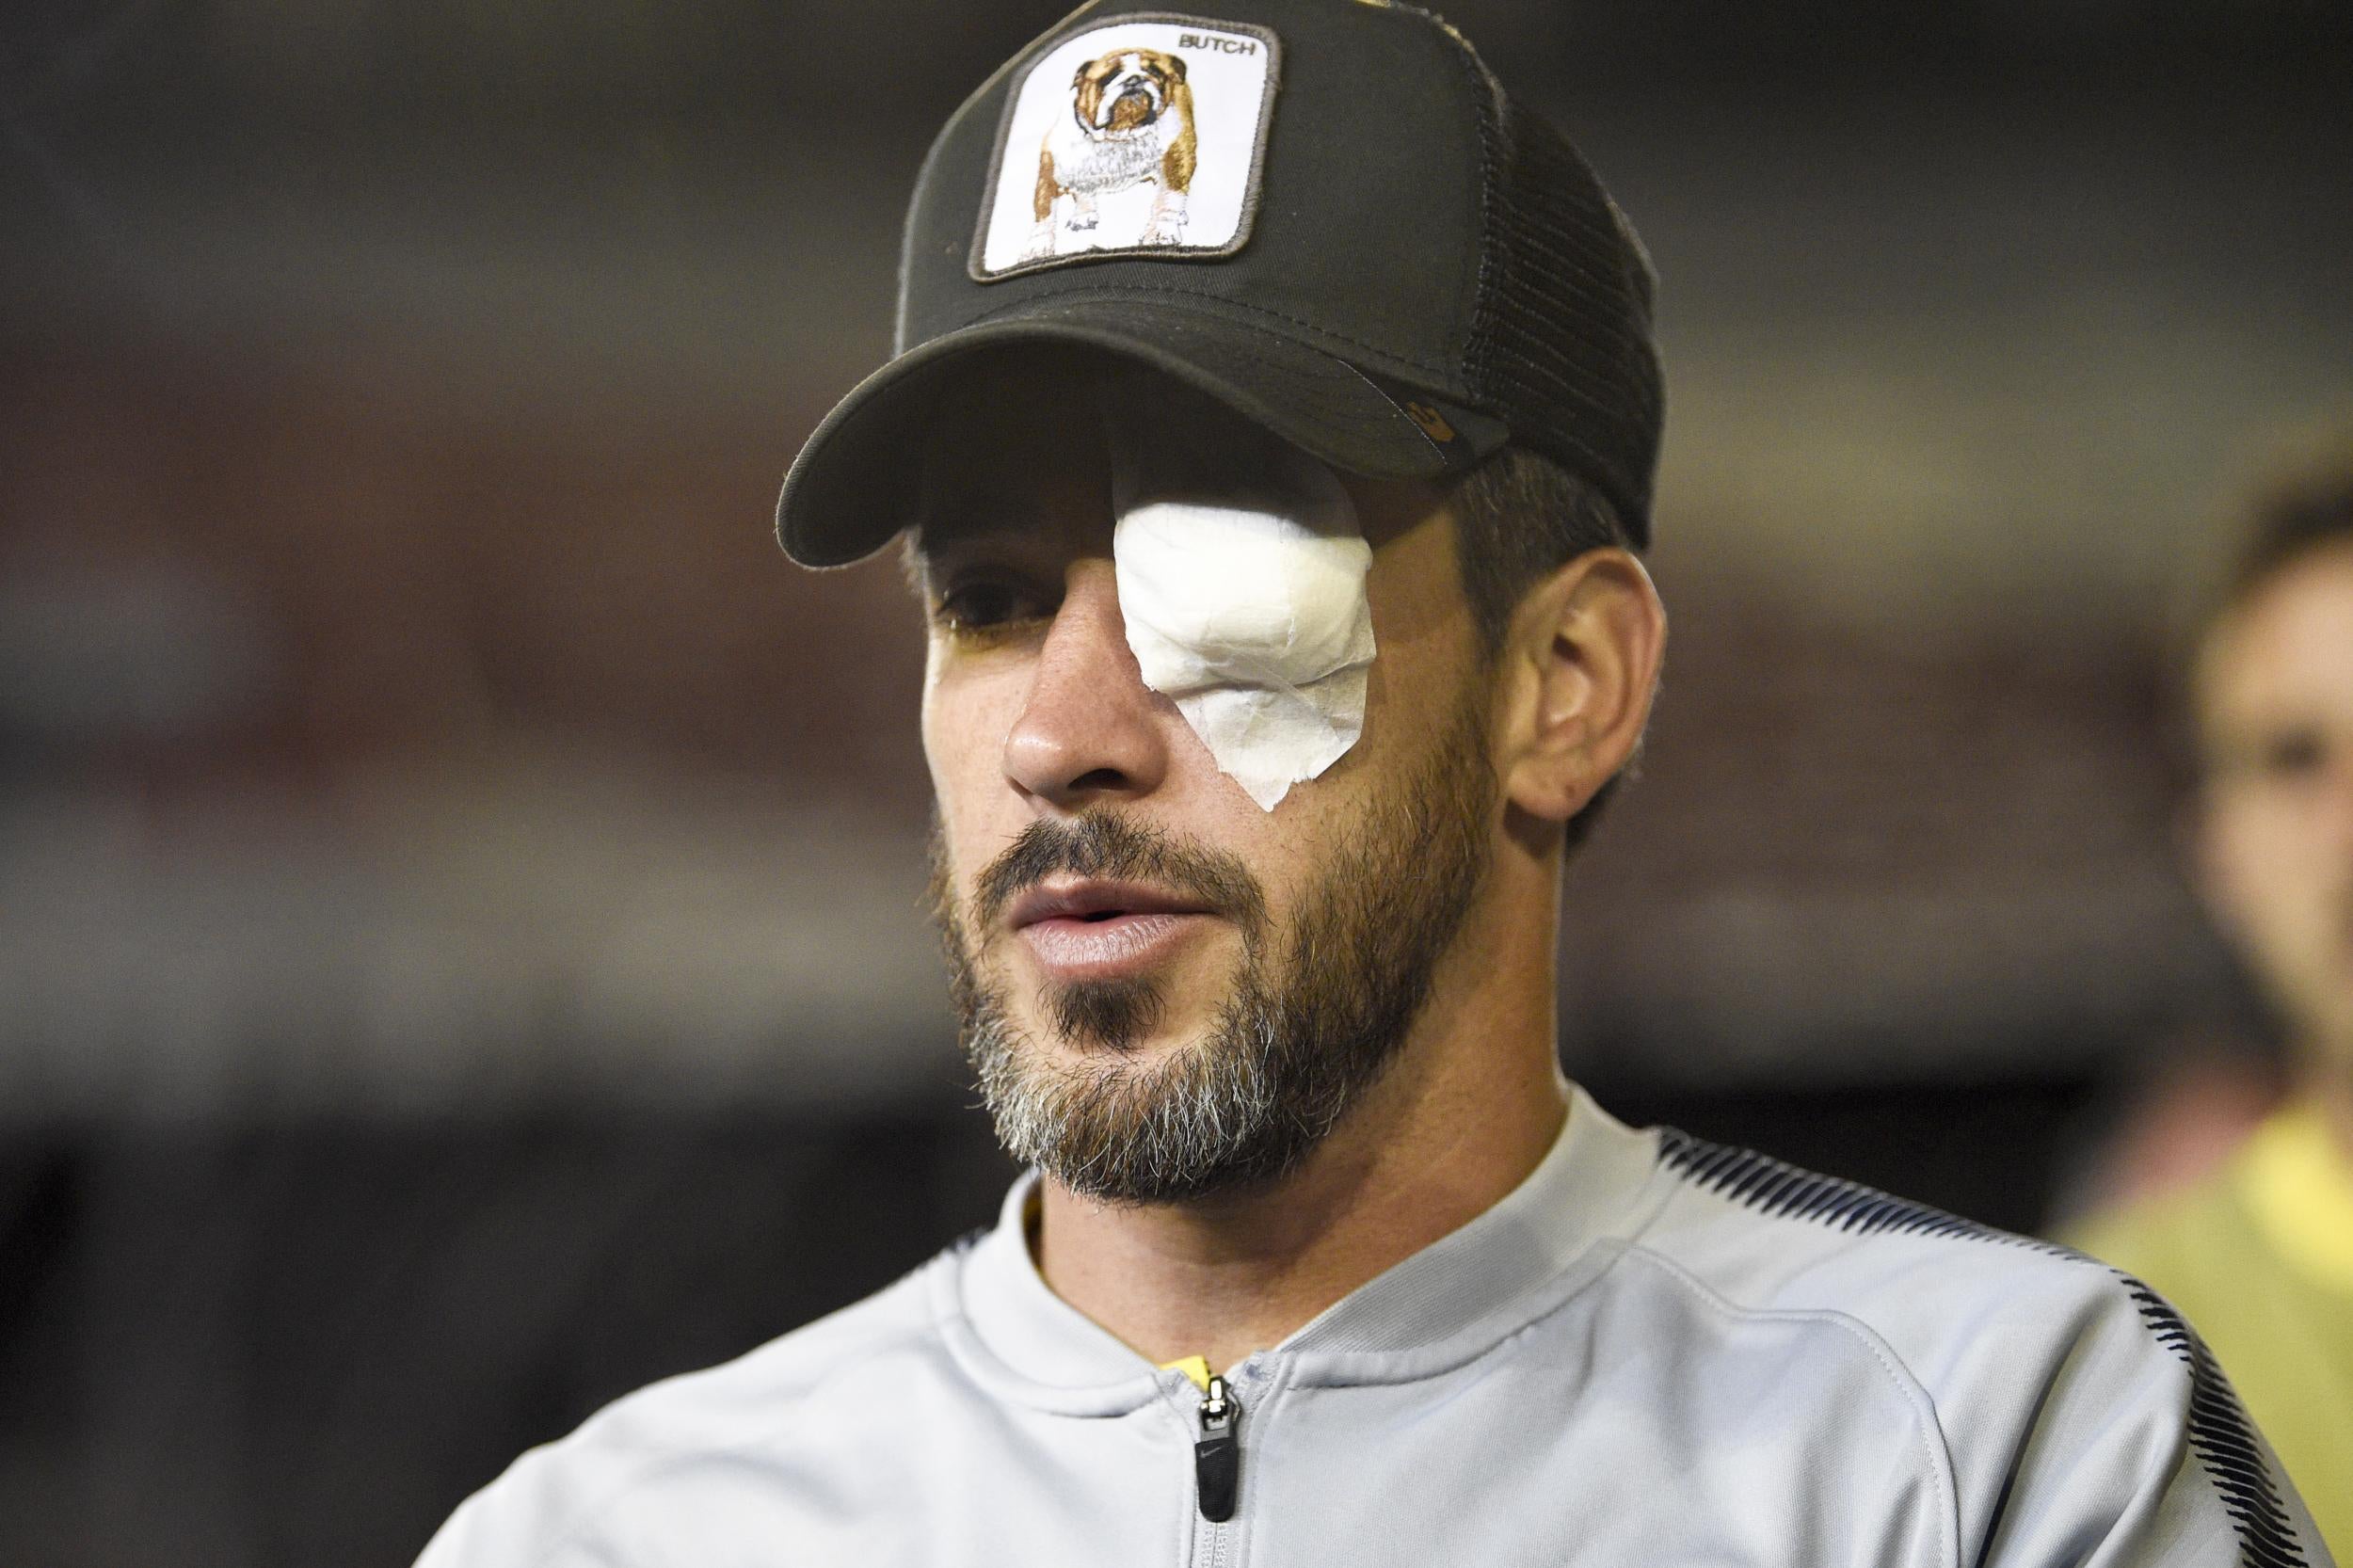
{"x": 1241, "y": 571}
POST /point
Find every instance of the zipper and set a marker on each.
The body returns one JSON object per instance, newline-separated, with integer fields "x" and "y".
{"x": 1217, "y": 1457}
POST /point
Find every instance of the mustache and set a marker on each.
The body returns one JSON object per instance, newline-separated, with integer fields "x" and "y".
{"x": 1103, "y": 843}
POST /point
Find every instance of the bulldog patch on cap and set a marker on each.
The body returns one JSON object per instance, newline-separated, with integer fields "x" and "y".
{"x": 1142, "y": 136}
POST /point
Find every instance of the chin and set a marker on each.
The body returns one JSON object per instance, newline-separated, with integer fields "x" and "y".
{"x": 1132, "y": 1019}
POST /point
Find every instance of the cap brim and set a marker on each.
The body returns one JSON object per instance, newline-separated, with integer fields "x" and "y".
{"x": 852, "y": 489}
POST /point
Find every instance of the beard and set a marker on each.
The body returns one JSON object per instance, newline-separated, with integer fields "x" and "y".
{"x": 1317, "y": 1013}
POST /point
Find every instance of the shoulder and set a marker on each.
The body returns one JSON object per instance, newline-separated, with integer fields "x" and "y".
{"x": 2057, "y": 1386}
{"x": 1770, "y": 1236}
{"x": 686, "y": 1445}
{"x": 2162, "y": 1238}
{"x": 2200, "y": 1249}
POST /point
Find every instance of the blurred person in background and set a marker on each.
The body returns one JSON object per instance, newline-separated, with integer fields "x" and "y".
{"x": 1275, "y": 429}
{"x": 2259, "y": 1254}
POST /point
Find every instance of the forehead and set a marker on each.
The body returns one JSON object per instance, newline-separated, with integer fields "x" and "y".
{"x": 2286, "y": 653}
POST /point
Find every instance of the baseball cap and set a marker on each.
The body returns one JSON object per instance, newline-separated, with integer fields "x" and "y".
{"x": 1325, "y": 214}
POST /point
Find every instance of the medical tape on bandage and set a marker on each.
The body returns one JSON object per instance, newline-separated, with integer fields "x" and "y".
{"x": 1242, "y": 565}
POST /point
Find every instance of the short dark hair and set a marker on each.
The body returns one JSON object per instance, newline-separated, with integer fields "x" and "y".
{"x": 2290, "y": 518}
{"x": 2295, "y": 511}
{"x": 1518, "y": 517}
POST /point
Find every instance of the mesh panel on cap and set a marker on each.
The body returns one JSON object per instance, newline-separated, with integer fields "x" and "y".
{"x": 1560, "y": 343}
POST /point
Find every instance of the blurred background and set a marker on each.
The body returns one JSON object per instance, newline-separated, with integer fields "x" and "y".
{"x": 460, "y": 949}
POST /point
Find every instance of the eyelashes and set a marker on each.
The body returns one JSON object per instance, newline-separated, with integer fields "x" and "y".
{"x": 989, "y": 605}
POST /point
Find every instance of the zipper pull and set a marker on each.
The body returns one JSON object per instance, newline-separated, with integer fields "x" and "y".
{"x": 1217, "y": 1458}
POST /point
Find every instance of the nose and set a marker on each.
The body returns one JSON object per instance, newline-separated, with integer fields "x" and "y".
{"x": 1090, "y": 730}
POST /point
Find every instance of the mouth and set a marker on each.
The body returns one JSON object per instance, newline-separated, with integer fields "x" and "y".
{"x": 1097, "y": 930}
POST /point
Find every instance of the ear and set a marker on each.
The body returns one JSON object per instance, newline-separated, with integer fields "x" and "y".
{"x": 1176, "y": 65}
{"x": 1577, "y": 673}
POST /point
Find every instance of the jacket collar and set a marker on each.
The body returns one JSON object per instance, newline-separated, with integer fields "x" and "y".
{"x": 1442, "y": 1306}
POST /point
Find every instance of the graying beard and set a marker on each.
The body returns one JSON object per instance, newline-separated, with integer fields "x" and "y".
{"x": 1119, "y": 1130}
{"x": 1246, "y": 1103}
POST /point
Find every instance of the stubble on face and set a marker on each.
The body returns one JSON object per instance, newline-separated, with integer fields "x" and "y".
{"x": 1112, "y": 1015}
{"x": 1316, "y": 1014}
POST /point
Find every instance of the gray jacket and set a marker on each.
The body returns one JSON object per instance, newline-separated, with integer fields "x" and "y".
{"x": 1654, "y": 1352}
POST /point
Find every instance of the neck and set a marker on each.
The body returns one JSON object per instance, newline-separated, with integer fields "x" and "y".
{"x": 1470, "y": 1107}
{"x": 2327, "y": 1083}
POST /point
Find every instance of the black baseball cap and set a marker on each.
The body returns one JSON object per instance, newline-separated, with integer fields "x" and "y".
{"x": 1325, "y": 214}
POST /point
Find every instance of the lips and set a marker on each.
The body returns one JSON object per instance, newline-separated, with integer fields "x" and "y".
{"x": 1102, "y": 930}
{"x": 1095, "y": 901}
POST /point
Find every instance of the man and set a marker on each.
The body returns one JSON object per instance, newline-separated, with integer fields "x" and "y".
{"x": 1284, "y": 632}
{"x": 2261, "y": 1255}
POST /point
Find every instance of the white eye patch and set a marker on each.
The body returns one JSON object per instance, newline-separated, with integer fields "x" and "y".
{"x": 1241, "y": 581}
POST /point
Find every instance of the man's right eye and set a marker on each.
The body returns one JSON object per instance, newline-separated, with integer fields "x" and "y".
{"x": 987, "y": 604}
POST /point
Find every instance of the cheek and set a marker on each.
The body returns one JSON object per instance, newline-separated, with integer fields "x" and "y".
{"x": 2262, "y": 871}
{"x": 967, "y": 715}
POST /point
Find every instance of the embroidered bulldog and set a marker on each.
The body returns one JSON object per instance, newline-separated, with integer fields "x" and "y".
{"x": 1141, "y": 137}
{"x": 1131, "y": 124}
